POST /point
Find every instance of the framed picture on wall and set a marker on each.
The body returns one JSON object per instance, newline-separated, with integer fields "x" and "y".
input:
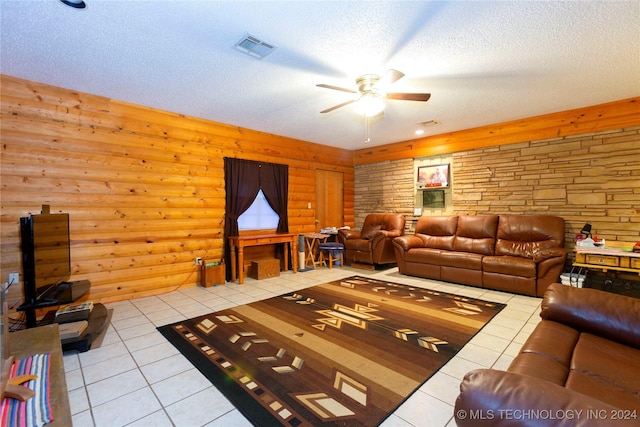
{"x": 433, "y": 176}
{"x": 433, "y": 199}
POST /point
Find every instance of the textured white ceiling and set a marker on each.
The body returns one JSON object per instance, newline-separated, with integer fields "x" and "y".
{"x": 483, "y": 61}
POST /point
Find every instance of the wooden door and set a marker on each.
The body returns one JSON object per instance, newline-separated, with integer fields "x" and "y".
{"x": 329, "y": 199}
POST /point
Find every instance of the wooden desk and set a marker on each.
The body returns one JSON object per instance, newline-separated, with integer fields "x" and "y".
{"x": 238, "y": 243}
{"x": 46, "y": 339}
{"x": 611, "y": 257}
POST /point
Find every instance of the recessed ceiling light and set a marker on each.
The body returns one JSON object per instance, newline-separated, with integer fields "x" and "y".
{"x": 420, "y": 130}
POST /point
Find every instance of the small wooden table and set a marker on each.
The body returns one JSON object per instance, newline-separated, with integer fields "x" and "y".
{"x": 312, "y": 240}
{"x": 238, "y": 243}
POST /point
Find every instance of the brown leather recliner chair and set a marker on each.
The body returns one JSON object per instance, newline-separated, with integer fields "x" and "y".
{"x": 374, "y": 243}
{"x": 579, "y": 367}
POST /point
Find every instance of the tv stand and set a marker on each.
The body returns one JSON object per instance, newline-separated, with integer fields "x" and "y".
{"x": 68, "y": 292}
{"x": 97, "y": 322}
{"x": 64, "y": 293}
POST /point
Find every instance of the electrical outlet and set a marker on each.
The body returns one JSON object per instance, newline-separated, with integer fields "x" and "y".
{"x": 14, "y": 278}
{"x": 198, "y": 261}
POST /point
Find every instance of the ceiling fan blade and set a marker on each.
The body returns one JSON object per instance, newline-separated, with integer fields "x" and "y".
{"x": 389, "y": 78}
{"x": 409, "y": 96}
{"x": 335, "y": 107}
{"x": 337, "y": 88}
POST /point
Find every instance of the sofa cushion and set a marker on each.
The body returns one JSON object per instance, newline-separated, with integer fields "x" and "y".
{"x": 547, "y": 352}
{"x": 423, "y": 255}
{"x": 389, "y": 222}
{"x": 437, "y": 231}
{"x": 476, "y": 234}
{"x": 525, "y": 235}
{"x": 461, "y": 260}
{"x": 606, "y": 370}
{"x": 368, "y": 231}
{"x": 614, "y": 317}
{"x": 509, "y": 265}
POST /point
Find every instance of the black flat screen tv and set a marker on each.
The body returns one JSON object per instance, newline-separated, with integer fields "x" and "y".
{"x": 46, "y": 255}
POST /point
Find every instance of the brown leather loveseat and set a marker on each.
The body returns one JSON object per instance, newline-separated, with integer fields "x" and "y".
{"x": 579, "y": 367}
{"x": 515, "y": 253}
{"x": 373, "y": 244}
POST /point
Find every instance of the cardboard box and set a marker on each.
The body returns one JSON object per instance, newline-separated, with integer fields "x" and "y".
{"x": 265, "y": 268}
{"x": 212, "y": 274}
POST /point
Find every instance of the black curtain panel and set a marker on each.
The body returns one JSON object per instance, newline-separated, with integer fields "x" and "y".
{"x": 274, "y": 180}
{"x": 242, "y": 183}
{"x": 243, "y": 180}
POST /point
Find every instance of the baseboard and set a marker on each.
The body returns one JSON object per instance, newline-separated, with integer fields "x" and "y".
{"x": 369, "y": 267}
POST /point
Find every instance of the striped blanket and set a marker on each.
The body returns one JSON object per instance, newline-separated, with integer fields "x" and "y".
{"x": 35, "y": 412}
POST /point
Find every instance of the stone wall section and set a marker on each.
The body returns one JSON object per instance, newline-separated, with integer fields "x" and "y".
{"x": 384, "y": 187}
{"x": 590, "y": 178}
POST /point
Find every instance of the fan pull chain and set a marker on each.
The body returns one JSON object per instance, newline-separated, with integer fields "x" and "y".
{"x": 367, "y": 137}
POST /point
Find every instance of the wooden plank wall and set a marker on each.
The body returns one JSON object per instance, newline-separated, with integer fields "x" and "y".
{"x": 612, "y": 115}
{"x": 144, "y": 188}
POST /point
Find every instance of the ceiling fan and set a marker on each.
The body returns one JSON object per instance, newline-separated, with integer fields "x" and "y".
{"x": 372, "y": 89}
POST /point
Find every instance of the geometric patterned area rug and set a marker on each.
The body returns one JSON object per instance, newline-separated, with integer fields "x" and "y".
{"x": 345, "y": 353}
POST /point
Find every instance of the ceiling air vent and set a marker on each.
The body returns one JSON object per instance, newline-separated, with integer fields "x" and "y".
{"x": 254, "y": 47}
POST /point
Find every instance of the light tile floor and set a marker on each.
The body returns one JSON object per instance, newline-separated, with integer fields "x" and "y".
{"x": 136, "y": 378}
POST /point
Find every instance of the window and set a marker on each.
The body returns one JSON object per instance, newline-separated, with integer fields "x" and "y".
{"x": 259, "y": 216}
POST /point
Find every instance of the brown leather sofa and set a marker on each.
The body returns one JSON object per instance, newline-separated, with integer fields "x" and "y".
{"x": 373, "y": 244}
{"x": 579, "y": 367}
{"x": 515, "y": 253}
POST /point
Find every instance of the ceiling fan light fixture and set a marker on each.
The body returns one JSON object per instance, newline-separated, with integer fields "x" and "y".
{"x": 77, "y": 4}
{"x": 369, "y": 104}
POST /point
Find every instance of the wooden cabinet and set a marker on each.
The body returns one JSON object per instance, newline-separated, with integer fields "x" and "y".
{"x": 213, "y": 274}
{"x": 616, "y": 257}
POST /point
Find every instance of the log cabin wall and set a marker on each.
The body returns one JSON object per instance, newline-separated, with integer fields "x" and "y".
{"x": 596, "y": 118}
{"x": 144, "y": 188}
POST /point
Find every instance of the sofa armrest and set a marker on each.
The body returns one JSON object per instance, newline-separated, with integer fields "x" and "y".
{"x": 598, "y": 312}
{"x": 498, "y": 398}
{"x": 349, "y": 234}
{"x": 384, "y": 234}
{"x": 550, "y": 264}
{"x": 549, "y": 253}
{"x": 407, "y": 242}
